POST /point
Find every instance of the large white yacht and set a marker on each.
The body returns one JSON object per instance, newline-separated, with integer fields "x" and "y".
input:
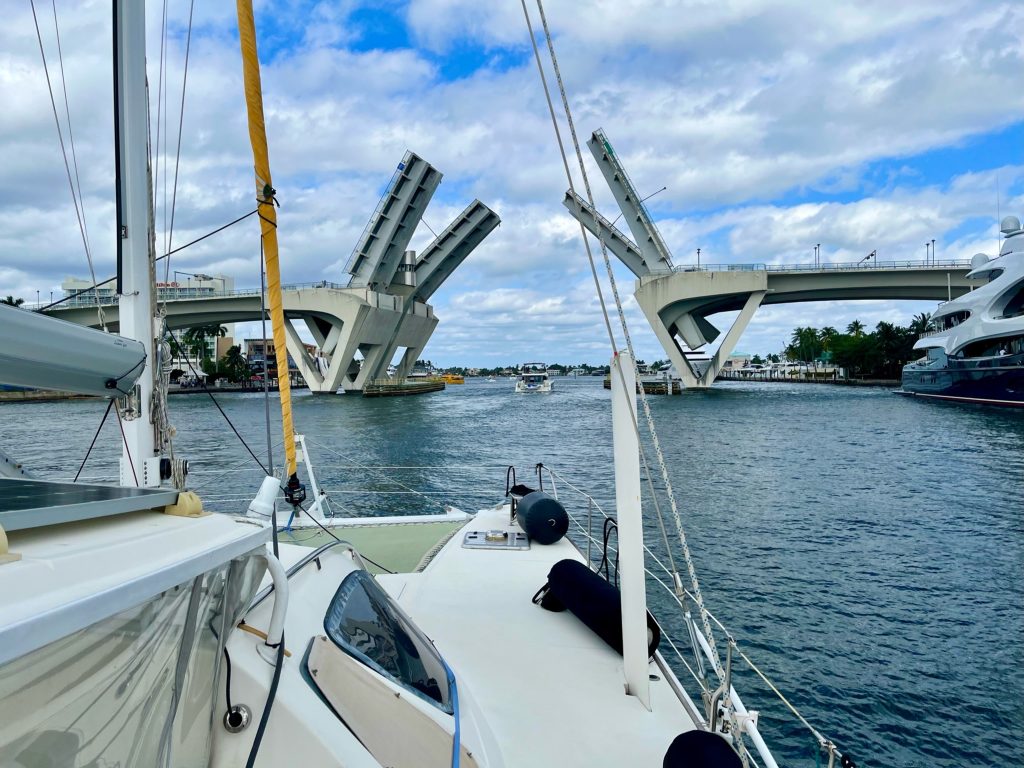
{"x": 974, "y": 351}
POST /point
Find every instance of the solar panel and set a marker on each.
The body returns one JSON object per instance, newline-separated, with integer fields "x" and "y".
{"x": 33, "y": 503}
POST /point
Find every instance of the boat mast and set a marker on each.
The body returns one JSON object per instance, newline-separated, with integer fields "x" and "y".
{"x": 139, "y": 464}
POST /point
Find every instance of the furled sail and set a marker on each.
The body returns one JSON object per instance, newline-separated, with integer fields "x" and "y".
{"x": 268, "y": 217}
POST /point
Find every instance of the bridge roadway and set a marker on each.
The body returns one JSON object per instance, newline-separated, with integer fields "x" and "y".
{"x": 678, "y": 303}
{"x": 342, "y": 321}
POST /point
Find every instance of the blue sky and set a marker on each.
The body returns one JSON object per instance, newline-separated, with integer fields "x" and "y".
{"x": 773, "y": 125}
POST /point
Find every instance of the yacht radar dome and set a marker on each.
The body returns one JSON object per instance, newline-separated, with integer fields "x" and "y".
{"x": 1010, "y": 225}
{"x": 978, "y": 260}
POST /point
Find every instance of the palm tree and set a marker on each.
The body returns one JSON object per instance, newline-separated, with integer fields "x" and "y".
{"x": 806, "y": 343}
{"x": 856, "y": 328}
{"x": 234, "y": 364}
{"x": 194, "y": 339}
{"x": 825, "y": 336}
{"x": 919, "y": 324}
{"x": 11, "y": 301}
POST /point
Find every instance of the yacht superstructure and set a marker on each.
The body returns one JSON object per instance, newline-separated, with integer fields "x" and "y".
{"x": 974, "y": 350}
{"x": 533, "y": 377}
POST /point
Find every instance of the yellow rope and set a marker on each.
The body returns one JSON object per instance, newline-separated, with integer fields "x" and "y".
{"x": 268, "y": 217}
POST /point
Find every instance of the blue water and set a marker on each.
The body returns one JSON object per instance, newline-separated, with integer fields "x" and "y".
{"x": 866, "y": 550}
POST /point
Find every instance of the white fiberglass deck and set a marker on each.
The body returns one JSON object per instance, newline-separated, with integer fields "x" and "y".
{"x": 551, "y": 690}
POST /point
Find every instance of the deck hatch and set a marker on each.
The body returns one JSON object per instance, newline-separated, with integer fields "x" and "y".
{"x": 488, "y": 540}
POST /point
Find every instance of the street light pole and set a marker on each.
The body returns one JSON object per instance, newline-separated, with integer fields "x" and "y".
{"x": 698, "y": 258}
{"x": 933, "y": 251}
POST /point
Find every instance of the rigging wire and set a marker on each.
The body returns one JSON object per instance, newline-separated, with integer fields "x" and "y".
{"x": 76, "y": 294}
{"x": 199, "y": 378}
{"x": 160, "y": 111}
{"x": 622, "y": 320}
{"x": 181, "y": 123}
{"x": 93, "y": 443}
{"x": 79, "y": 213}
{"x": 124, "y": 438}
{"x": 71, "y": 135}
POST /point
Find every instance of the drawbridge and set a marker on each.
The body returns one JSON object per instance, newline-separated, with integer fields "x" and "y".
{"x": 361, "y": 325}
{"x": 677, "y": 301}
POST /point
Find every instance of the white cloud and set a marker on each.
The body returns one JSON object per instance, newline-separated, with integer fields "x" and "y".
{"x": 729, "y": 105}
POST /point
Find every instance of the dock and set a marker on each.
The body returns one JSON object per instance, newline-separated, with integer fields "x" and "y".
{"x": 402, "y": 388}
{"x": 653, "y": 386}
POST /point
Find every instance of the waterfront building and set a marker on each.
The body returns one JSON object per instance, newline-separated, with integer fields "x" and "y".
{"x": 79, "y": 292}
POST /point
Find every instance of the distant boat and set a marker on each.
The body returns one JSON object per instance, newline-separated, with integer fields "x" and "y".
{"x": 453, "y": 378}
{"x": 533, "y": 377}
{"x": 974, "y": 352}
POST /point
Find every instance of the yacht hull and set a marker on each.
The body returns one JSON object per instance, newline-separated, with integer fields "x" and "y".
{"x": 997, "y": 385}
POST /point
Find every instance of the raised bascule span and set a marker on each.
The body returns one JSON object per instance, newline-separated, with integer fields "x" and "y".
{"x": 441, "y": 258}
{"x": 378, "y": 252}
{"x": 418, "y": 279}
{"x": 617, "y": 242}
{"x": 677, "y": 301}
{"x": 635, "y": 213}
{"x": 382, "y": 308}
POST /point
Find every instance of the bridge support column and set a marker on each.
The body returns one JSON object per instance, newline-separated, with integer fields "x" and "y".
{"x": 729, "y": 342}
{"x": 668, "y": 342}
{"x": 307, "y": 366}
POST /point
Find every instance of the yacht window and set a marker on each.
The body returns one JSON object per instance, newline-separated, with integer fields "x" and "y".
{"x": 1015, "y": 302}
{"x": 367, "y": 624}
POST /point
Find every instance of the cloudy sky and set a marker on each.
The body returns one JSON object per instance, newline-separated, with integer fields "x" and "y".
{"x": 773, "y": 125}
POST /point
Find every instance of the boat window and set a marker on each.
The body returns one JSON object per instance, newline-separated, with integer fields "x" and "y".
{"x": 366, "y": 623}
{"x": 951, "y": 320}
{"x": 1015, "y": 301}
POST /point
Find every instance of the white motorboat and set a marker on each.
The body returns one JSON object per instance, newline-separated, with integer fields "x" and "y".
{"x": 974, "y": 348}
{"x": 533, "y": 377}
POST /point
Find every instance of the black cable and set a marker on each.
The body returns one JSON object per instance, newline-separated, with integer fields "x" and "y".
{"x": 227, "y": 676}
{"x": 100, "y": 427}
{"x": 90, "y": 289}
{"x": 271, "y": 695}
{"x": 331, "y": 533}
{"x": 214, "y": 399}
{"x": 609, "y": 526}
{"x": 127, "y": 450}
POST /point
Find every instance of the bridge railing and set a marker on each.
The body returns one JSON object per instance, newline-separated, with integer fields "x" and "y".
{"x": 835, "y": 266}
{"x": 183, "y": 293}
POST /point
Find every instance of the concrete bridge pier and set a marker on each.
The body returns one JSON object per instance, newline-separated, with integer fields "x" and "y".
{"x": 361, "y": 321}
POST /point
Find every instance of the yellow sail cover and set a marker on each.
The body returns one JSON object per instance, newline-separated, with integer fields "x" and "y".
{"x": 268, "y": 217}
